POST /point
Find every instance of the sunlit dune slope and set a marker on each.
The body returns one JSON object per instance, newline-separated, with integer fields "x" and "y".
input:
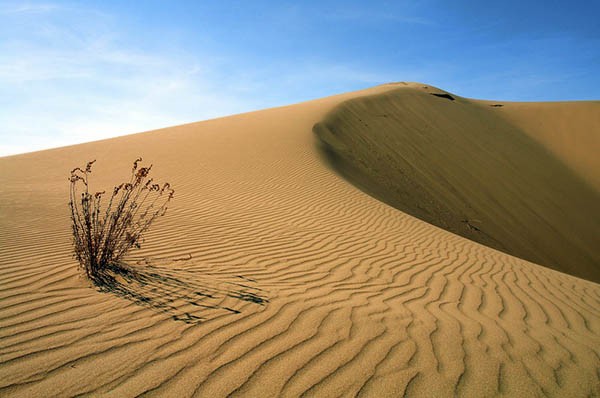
{"x": 482, "y": 170}
{"x": 271, "y": 275}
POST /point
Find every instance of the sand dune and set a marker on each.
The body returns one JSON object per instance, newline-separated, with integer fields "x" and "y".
{"x": 271, "y": 275}
{"x": 568, "y": 129}
{"x": 465, "y": 166}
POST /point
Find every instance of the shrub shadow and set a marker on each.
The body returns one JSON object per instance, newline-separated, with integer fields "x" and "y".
{"x": 187, "y": 296}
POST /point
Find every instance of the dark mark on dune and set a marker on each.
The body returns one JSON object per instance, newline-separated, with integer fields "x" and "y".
{"x": 204, "y": 294}
{"x": 471, "y": 226}
{"x": 444, "y": 95}
{"x": 245, "y": 278}
{"x": 496, "y": 105}
{"x": 250, "y": 297}
{"x": 187, "y": 318}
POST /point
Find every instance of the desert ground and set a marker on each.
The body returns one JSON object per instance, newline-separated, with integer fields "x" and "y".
{"x": 395, "y": 241}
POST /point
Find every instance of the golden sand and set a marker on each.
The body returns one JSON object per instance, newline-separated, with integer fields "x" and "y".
{"x": 357, "y": 298}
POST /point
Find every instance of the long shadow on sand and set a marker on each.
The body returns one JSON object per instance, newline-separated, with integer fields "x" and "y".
{"x": 186, "y": 295}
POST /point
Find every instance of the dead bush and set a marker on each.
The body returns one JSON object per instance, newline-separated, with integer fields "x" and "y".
{"x": 104, "y": 233}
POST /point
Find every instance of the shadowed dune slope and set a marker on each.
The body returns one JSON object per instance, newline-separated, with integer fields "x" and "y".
{"x": 467, "y": 167}
{"x": 570, "y": 130}
{"x": 271, "y": 275}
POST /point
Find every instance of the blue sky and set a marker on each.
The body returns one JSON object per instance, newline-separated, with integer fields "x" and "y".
{"x": 73, "y": 72}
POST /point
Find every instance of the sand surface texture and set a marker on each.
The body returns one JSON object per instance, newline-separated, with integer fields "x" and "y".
{"x": 273, "y": 275}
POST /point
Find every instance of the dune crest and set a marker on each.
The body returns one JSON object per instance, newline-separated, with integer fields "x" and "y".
{"x": 361, "y": 298}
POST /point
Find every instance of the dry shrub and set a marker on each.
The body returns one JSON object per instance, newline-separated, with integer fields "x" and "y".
{"x": 102, "y": 236}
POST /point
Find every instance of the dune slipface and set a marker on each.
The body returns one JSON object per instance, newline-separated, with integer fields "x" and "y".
{"x": 464, "y": 166}
{"x": 271, "y": 275}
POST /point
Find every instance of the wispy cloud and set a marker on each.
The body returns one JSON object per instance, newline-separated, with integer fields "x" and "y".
{"x": 67, "y": 74}
{"x": 72, "y": 74}
{"x": 24, "y": 7}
